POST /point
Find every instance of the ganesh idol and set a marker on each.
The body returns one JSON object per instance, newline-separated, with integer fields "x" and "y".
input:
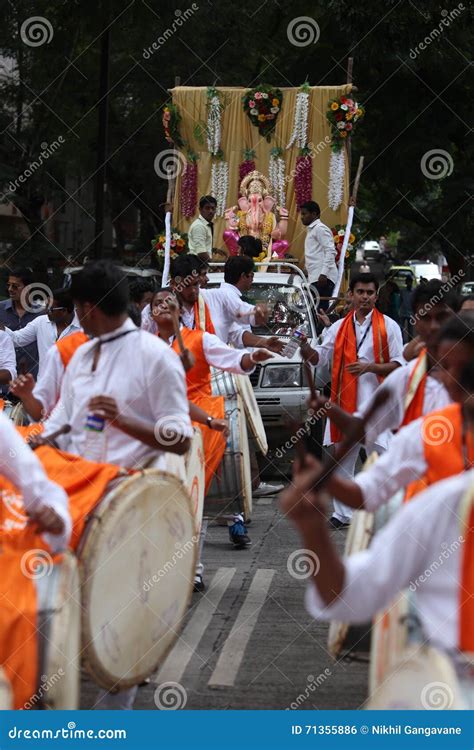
{"x": 257, "y": 214}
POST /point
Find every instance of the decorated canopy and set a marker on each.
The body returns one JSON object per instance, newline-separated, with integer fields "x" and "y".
{"x": 235, "y": 130}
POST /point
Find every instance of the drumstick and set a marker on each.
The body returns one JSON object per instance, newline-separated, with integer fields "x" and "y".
{"x": 352, "y": 438}
{"x": 50, "y": 438}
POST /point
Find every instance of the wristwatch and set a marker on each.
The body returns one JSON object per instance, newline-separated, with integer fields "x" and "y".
{"x": 208, "y": 422}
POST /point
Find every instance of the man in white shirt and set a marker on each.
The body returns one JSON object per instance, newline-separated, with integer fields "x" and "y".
{"x": 361, "y": 364}
{"x": 45, "y": 330}
{"x": 319, "y": 252}
{"x": 355, "y": 588}
{"x": 7, "y": 359}
{"x": 201, "y": 231}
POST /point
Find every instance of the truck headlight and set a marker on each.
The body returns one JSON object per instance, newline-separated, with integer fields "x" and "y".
{"x": 281, "y": 376}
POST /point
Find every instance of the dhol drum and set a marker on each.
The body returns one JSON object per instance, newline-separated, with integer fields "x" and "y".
{"x": 346, "y": 639}
{"x": 191, "y": 469}
{"x": 231, "y": 491}
{"x": 136, "y": 561}
{"x": 15, "y": 412}
{"x": 59, "y": 634}
{"x": 6, "y": 699}
{"x": 257, "y": 429}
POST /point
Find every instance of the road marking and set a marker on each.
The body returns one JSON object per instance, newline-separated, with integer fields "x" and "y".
{"x": 181, "y": 654}
{"x": 265, "y": 501}
{"x": 232, "y": 653}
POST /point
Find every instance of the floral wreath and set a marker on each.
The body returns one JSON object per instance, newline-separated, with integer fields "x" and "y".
{"x": 262, "y": 105}
{"x": 178, "y": 245}
{"x": 343, "y": 114}
{"x": 338, "y": 233}
{"x": 171, "y": 121}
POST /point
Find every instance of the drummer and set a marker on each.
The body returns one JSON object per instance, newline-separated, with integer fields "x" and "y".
{"x": 413, "y": 390}
{"x": 355, "y": 588}
{"x": 428, "y": 449}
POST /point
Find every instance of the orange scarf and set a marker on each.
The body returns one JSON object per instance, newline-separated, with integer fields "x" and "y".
{"x": 415, "y": 395}
{"x": 202, "y": 316}
{"x": 442, "y": 436}
{"x": 343, "y": 383}
{"x": 198, "y": 381}
{"x": 68, "y": 345}
{"x": 466, "y": 592}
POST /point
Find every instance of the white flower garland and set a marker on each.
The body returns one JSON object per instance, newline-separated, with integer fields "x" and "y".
{"x": 214, "y": 125}
{"x": 219, "y": 185}
{"x": 276, "y": 173}
{"x": 300, "y": 125}
{"x": 336, "y": 179}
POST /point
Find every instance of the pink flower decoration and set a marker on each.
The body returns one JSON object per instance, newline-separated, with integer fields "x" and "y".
{"x": 348, "y": 126}
{"x": 251, "y": 104}
{"x": 303, "y": 180}
{"x": 258, "y": 95}
{"x": 188, "y": 194}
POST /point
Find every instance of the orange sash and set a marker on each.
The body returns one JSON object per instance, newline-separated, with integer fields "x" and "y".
{"x": 198, "y": 381}
{"x": 68, "y": 345}
{"x": 343, "y": 383}
{"x": 466, "y": 592}
{"x": 415, "y": 395}
{"x": 442, "y": 435}
{"x": 202, "y": 316}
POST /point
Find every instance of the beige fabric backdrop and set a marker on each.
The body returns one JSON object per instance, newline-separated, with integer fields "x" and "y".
{"x": 238, "y": 133}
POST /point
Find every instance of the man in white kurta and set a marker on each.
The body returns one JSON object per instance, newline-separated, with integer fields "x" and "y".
{"x": 7, "y": 359}
{"x": 364, "y": 300}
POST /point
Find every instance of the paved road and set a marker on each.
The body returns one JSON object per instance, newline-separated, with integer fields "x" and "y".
{"x": 248, "y": 642}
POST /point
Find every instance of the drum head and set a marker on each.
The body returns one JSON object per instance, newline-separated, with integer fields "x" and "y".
{"x": 245, "y": 472}
{"x": 6, "y": 697}
{"x": 137, "y": 560}
{"x": 244, "y": 387}
{"x": 196, "y": 476}
{"x": 59, "y": 626}
{"x": 15, "y": 412}
{"x": 422, "y": 679}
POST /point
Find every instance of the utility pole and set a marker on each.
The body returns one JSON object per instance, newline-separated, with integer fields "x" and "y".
{"x": 102, "y": 133}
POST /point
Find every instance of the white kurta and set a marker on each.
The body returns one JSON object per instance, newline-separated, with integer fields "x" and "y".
{"x": 42, "y": 331}
{"x": 146, "y": 379}
{"x": 222, "y": 356}
{"x": 48, "y": 386}
{"x": 368, "y": 382}
{"x": 320, "y": 252}
{"x": 19, "y": 464}
{"x": 226, "y": 306}
{"x": 421, "y": 546}
{"x": 391, "y": 415}
{"x": 7, "y": 354}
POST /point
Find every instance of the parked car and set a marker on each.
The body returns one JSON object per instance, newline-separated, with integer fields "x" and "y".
{"x": 425, "y": 269}
{"x": 371, "y": 250}
{"x": 132, "y": 273}
{"x": 467, "y": 288}
{"x": 400, "y": 274}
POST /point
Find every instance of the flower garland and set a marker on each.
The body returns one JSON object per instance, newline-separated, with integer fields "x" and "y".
{"x": 303, "y": 178}
{"x": 300, "y": 125}
{"x": 215, "y": 107}
{"x": 262, "y": 105}
{"x": 343, "y": 114}
{"x": 179, "y": 245}
{"x": 171, "y": 121}
{"x": 338, "y": 233}
{"x": 189, "y": 181}
{"x": 248, "y": 165}
{"x": 276, "y": 174}
{"x": 220, "y": 185}
{"x": 337, "y": 169}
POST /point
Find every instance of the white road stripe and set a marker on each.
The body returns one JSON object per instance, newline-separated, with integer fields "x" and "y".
{"x": 179, "y": 657}
{"x": 265, "y": 501}
{"x": 230, "y": 658}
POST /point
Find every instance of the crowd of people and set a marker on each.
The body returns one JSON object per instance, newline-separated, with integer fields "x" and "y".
{"x": 123, "y": 376}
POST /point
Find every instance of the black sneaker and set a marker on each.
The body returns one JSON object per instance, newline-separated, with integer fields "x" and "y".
{"x": 198, "y": 583}
{"x": 238, "y": 534}
{"x": 335, "y": 523}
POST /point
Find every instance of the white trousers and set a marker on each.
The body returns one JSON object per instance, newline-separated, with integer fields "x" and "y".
{"x": 346, "y": 469}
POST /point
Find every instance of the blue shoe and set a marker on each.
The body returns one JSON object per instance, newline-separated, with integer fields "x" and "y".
{"x": 238, "y": 533}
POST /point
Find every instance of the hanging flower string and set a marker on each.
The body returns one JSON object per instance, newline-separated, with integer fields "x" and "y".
{"x": 343, "y": 114}
{"x": 188, "y": 192}
{"x": 276, "y": 173}
{"x": 262, "y": 105}
{"x": 215, "y": 107}
{"x": 220, "y": 184}
{"x": 303, "y": 178}
{"x": 246, "y": 166}
{"x": 300, "y": 125}
{"x": 337, "y": 170}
